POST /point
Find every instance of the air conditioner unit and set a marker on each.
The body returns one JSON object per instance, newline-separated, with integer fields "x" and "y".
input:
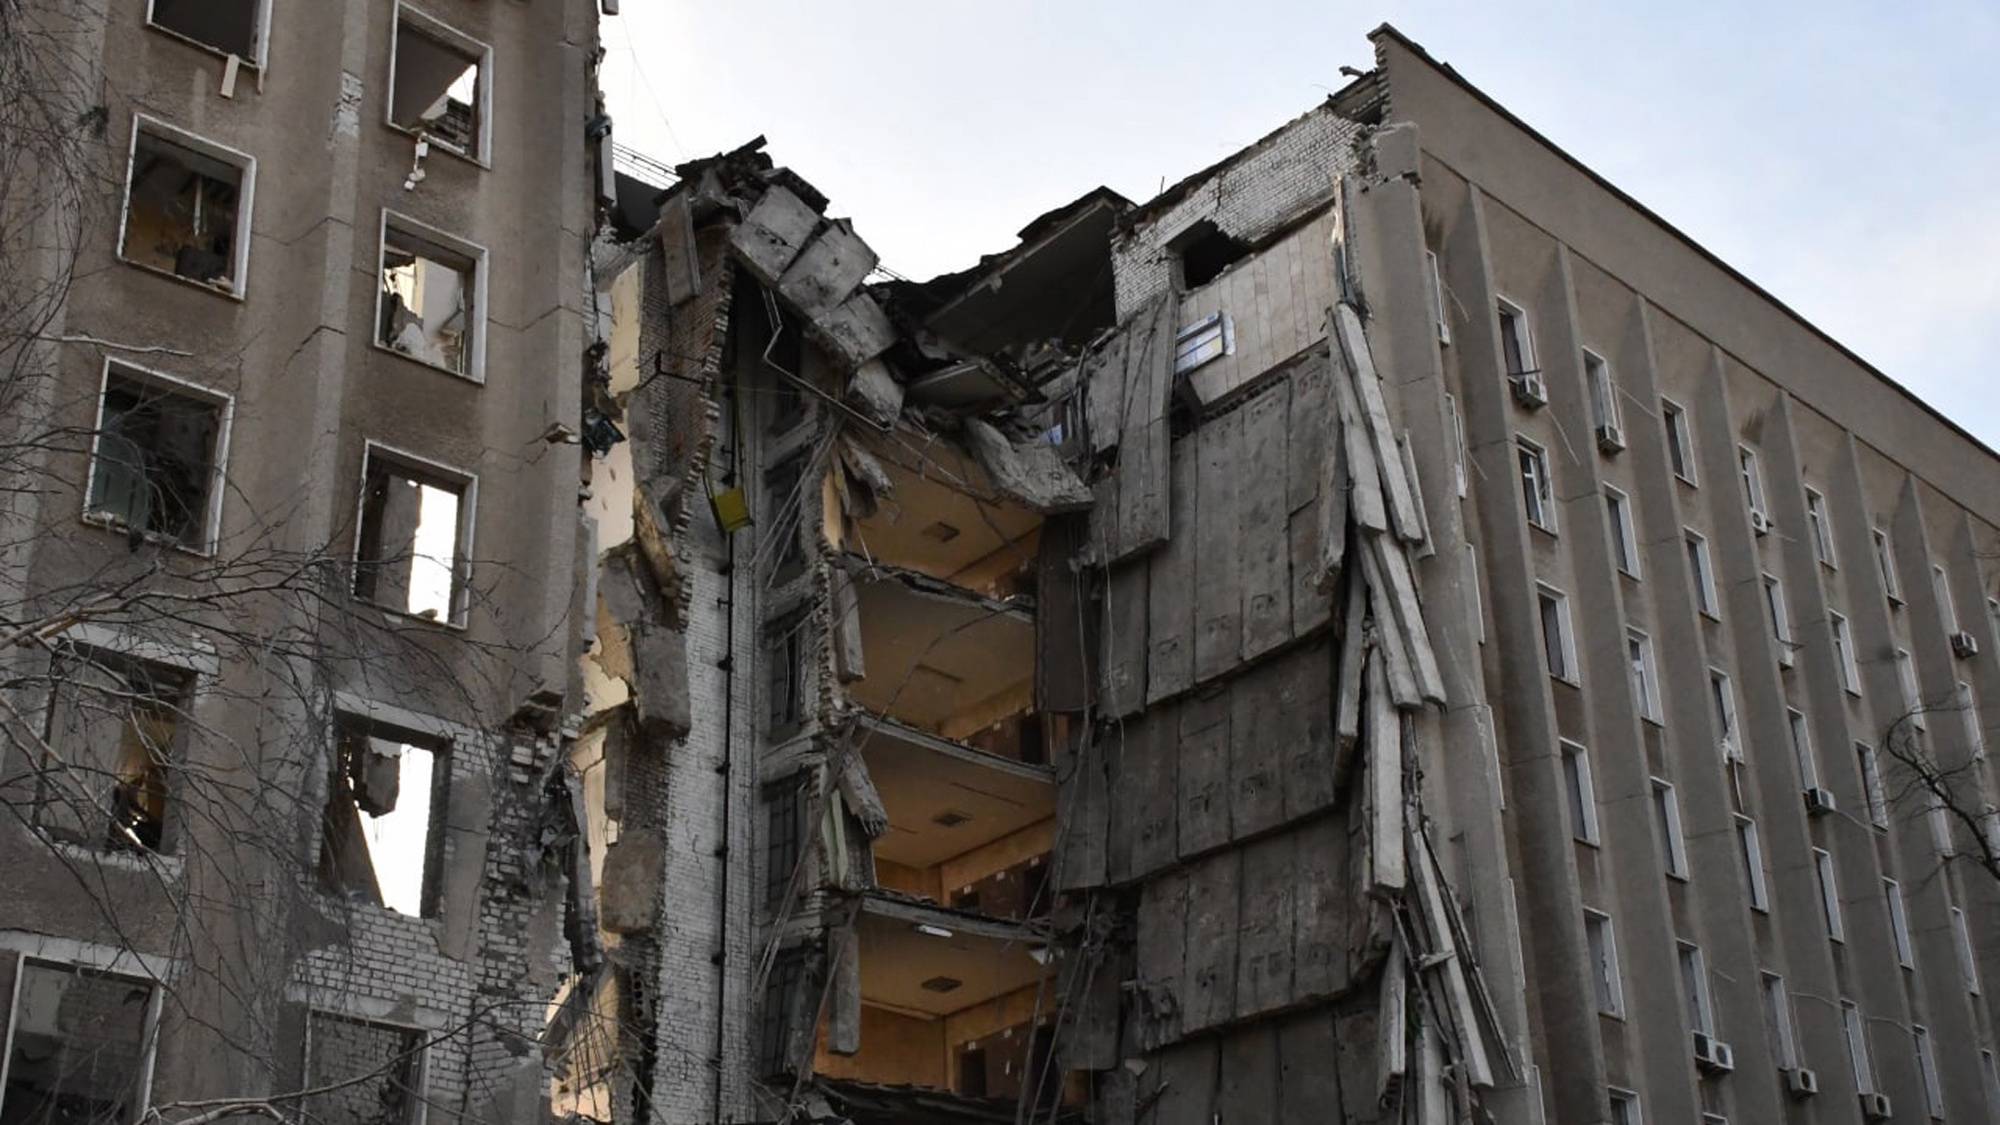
{"x": 1610, "y": 438}
{"x": 1801, "y": 1082}
{"x": 1529, "y": 391}
{"x": 1759, "y": 522}
{"x": 1964, "y": 645}
{"x": 1713, "y": 1054}
{"x": 1875, "y": 1107}
{"x": 1819, "y": 800}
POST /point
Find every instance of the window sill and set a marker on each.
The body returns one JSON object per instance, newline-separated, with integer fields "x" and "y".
{"x": 1546, "y": 529}
{"x": 1587, "y": 842}
{"x": 230, "y": 290}
{"x": 1681, "y": 877}
{"x": 205, "y": 48}
{"x": 456, "y": 625}
{"x": 1568, "y": 681}
{"x": 443, "y": 146}
{"x": 1631, "y": 574}
{"x": 1710, "y": 615}
{"x": 1654, "y": 721}
{"x": 140, "y": 862}
{"x": 105, "y": 521}
{"x": 1689, "y": 481}
{"x": 478, "y": 380}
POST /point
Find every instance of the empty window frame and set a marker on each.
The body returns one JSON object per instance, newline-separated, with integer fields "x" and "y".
{"x": 1752, "y": 851}
{"x": 1667, "y": 822}
{"x": 1927, "y": 1068}
{"x": 80, "y": 1043}
{"x": 1517, "y": 344}
{"x": 187, "y": 207}
{"x": 1624, "y": 537}
{"x": 1819, "y": 524}
{"x": 1856, "y": 1032}
{"x": 430, "y": 303}
{"x": 1645, "y": 680}
{"x": 1558, "y": 641}
{"x": 1899, "y": 922}
{"x": 1722, "y": 702}
{"x": 1829, "y": 895}
{"x": 1202, "y": 252}
{"x": 1582, "y": 794}
{"x": 1625, "y": 1107}
{"x": 1605, "y": 982}
{"x": 382, "y": 833}
{"x": 1435, "y": 280}
{"x": 1538, "y": 490}
{"x": 784, "y": 829}
{"x": 413, "y": 548}
{"x": 158, "y": 457}
{"x": 440, "y": 85}
{"x": 785, "y": 677}
{"x": 1778, "y": 1022}
{"x": 1752, "y": 469}
{"x": 1843, "y": 652}
{"x": 1604, "y": 413}
{"x": 1885, "y": 565}
{"x": 1694, "y": 988}
{"x": 1204, "y": 342}
{"x": 1703, "y": 571}
{"x": 364, "y": 1070}
{"x": 1871, "y": 784}
{"x": 1968, "y": 965}
{"x": 1780, "y": 618}
{"x": 1802, "y": 748}
{"x": 113, "y": 741}
{"x": 1680, "y": 440}
{"x": 229, "y": 27}
{"x": 1458, "y": 441}
{"x": 1913, "y": 698}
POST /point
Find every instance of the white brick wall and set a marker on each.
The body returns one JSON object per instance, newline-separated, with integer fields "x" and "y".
{"x": 1286, "y": 172}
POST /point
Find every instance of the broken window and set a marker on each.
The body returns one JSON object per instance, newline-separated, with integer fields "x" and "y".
{"x": 1680, "y": 443}
{"x": 1605, "y": 982}
{"x": 415, "y": 528}
{"x": 1204, "y": 341}
{"x": 1537, "y": 485}
{"x": 1705, "y": 597}
{"x": 781, "y": 1006}
{"x": 1517, "y": 347}
{"x": 365, "y": 1073}
{"x": 429, "y": 307}
{"x": 785, "y": 673}
{"x": 438, "y": 84}
{"x": 233, "y": 27}
{"x": 1603, "y": 392}
{"x": 111, "y": 731}
{"x": 1558, "y": 645}
{"x": 184, "y": 201}
{"x": 79, "y": 1044}
{"x": 381, "y": 841}
{"x": 784, "y": 507}
{"x": 783, "y": 835}
{"x": 1203, "y": 251}
{"x": 158, "y": 464}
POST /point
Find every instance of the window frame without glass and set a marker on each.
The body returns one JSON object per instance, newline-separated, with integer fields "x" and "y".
{"x": 169, "y": 387}
{"x": 1624, "y": 534}
{"x": 235, "y": 284}
{"x": 1679, "y": 441}
{"x": 448, "y": 39}
{"x": 1538, "y": 486}
{"x": 423, "y": 242}
{"x": 428, "y": 475}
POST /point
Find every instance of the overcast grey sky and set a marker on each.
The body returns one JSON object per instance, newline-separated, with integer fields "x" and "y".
{"x": 1843, "y": 155}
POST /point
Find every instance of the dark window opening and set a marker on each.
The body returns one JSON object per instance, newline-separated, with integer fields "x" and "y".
{"x": 382, "y": 841}
{"x": 365, "y": 1073}
{"x": 783, "y": 832}
{"x": 966, "y": 900}
{"x": 180, "y": 215}
{"x": 229, "y": 26}
{"x": 78, "y": 1046}
{"x": 428, "y": 309}
{"x": 781, "y": 1002}
{"x": 784, "y": 508}
{"x": 111, "y": 730}
{"x": 1041, "y": 1061}
{"x": 972, "y": 1072}
{"x": 410, "y": 557}
{"x": 781, "y": 360}
{"x": 156, "y": 460}
{"x": 436, "y": 89}
{"x": 785, "y": 672}
{"x": 1203, "y": 251}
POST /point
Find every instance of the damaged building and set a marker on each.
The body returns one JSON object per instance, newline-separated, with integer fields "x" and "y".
{"x": 1374, "y": 633}
{"x": 1386, "y": 630}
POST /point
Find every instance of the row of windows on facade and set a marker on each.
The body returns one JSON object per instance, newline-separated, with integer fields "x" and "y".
{"x": 158, "y": 471}
{"x": 1780, "y": 1032}
{"x": 81, "y": 1045}
{"x": 188, "y": 199}
{"x": 115, "y": 734}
